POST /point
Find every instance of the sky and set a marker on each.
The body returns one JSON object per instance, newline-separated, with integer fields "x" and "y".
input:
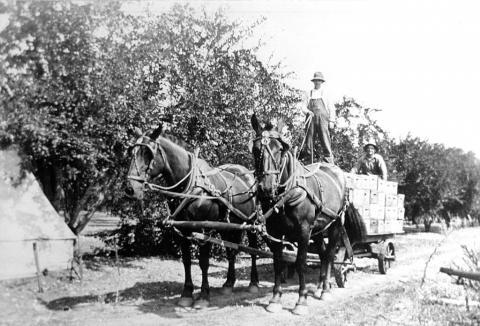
{"x": 418, "y": 61}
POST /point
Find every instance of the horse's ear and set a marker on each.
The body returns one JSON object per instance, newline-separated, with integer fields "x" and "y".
{"x": 255, "y": 123}
{"x": 137, "y": 131}
{"x": 157, "y": 132}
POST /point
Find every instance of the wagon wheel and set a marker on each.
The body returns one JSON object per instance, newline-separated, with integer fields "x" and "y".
{"x": 340, "y": 271}
{"x": 385, "y": 258}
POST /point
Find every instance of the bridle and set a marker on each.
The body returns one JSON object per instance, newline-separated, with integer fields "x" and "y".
{"x": 278, "y": 165}
{"x": 146, "y": 142}
{"x": 153, "y": 147}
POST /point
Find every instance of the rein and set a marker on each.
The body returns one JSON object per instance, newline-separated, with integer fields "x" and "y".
{"x": 295, "y": 187}
{"x": 192, "y": 190}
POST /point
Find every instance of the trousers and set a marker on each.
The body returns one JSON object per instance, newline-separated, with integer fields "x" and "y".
{"x": 318, "y": 129}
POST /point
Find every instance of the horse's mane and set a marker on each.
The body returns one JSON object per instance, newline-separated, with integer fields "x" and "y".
{"x": 159, "y": 132}
{"x": 177, "y": 141}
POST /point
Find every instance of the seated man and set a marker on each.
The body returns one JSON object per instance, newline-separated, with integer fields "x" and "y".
{"x": 371, "y": 163}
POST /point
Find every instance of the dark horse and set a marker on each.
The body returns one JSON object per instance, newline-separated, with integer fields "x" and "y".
{"x": 157, "y": 156}
{"x": 309, "y": 201}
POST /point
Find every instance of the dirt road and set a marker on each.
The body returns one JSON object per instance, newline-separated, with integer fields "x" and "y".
{"x": 149, "y": 288}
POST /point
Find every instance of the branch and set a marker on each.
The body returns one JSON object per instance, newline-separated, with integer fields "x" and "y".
{"x": 454, "y": 272}
{"x": 431, "y": 256}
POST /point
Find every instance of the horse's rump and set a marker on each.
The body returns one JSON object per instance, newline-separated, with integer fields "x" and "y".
{"x": 327, "y": 182}
{"x": 234, "y": 183}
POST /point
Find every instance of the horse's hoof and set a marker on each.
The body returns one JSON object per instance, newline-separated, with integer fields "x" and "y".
{"x": 226, "y": 290}
{"x": 300, "y": 309}
{"x": 201, "y": 304}
{"x": 326, "y": 296}
{"x": 318, "y": 294}
{"x": 185, "y": 302}
{"x": 253, "y": 289}
{"x": 274, "y": 307}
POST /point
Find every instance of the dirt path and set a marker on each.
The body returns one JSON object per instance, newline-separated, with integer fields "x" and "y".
{"x": 149, "y": 289}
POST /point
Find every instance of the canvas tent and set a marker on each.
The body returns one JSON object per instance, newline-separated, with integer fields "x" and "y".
{"x": 27, "y": 217}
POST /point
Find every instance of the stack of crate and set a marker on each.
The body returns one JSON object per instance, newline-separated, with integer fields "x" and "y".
{"x": 378, "y": 202}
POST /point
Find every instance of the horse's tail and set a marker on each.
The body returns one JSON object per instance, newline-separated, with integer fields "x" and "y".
{"x": 354, "y": 224}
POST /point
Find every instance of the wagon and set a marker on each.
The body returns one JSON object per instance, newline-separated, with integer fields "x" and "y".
{"x": 377, "y": 246}
{"x": 381, "y": 213}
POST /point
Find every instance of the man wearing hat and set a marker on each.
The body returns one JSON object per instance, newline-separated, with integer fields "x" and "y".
{"x": 371, "y": 163}
{"x": 322, "y": 118}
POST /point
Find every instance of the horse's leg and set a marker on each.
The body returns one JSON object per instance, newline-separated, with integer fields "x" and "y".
{"x": 275, "y": 304}
{"x": 253, "y": 242}
{"x": 186, "y": 299}
{"x": 327, "y": 262}
{"x": 300, "y": 264}
{"x": 234, "y": 237}
{"x": 204, "y": 299}
{"x": 322, "y": 250}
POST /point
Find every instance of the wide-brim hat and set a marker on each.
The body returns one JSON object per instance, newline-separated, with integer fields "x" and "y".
{"x": 370, "y": 143}
{"x": 318, "y": 76}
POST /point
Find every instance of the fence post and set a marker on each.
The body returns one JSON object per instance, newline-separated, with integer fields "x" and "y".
{"x": 37, "y": 266}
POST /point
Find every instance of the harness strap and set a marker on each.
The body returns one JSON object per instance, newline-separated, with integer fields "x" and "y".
{"x": 346, "y": 241}
{"x": 194, "y": 195}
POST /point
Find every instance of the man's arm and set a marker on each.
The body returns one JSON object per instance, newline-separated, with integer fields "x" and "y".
{"x": 383, "y": 167}
{"x": 332, "y": 119}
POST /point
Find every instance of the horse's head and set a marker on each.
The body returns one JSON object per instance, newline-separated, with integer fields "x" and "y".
{"x": 269, "y": 152}
{"x": 145, "y": 164}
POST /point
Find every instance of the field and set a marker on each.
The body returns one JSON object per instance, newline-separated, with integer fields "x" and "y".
{"x": 144, "y": 291}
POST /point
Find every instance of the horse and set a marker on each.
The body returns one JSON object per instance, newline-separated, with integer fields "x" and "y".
{"x": 157, "y": 156}
{"x": 309, "y": 202}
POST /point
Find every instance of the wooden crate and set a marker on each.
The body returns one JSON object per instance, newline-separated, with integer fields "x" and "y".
{"x": 381, "y": 227}
{"x": 360, "y": 197}
{"x": 381, "y": 185}
{"x": 350, "y": 180}
{"x": 401, "y": 200}
{"x": 373, "y": 226}
{"x": 377, "y": 197}
{"x": 360, "y": 181}
{"x": 391, "y": 200}
{"x": 391, "y": 187}
{"x": 371, "y": 182}
{"x": 391, "y": 213}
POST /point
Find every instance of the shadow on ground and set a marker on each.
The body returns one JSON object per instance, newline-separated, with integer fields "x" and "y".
{"x": 161, "y": 298}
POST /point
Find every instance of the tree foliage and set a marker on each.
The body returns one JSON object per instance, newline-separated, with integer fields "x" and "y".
{"x": 76, "y": 79}
{"x": 80, "y": 77}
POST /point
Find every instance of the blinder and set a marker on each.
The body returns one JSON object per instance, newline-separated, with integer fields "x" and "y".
{"x": 152, "y": 146}
{"x": 265, "y": 139}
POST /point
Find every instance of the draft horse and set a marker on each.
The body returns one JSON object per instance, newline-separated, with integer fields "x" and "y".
{"x": 156, "y": 156}
{"x": 309, "y": 201}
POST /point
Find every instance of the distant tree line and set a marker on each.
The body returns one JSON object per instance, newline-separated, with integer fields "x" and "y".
{"x": 77, "y": 79}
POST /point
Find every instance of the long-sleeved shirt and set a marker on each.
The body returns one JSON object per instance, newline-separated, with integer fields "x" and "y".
{"x": 320, "y": 94}
{"x": 371, "y": 166}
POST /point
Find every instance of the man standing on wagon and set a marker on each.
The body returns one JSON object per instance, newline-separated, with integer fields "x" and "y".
{"x": 322, "y": 117}
{"x": 371, "y": 163}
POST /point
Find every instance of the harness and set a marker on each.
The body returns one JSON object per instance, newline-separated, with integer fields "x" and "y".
{"x": 197, "y": 180}
{"x": 295, "y": 188}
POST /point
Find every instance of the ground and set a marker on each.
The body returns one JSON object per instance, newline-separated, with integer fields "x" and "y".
{"x": 412, "y": 293}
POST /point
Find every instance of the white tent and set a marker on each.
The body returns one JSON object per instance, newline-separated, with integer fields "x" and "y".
{"x": 27, "y": 217}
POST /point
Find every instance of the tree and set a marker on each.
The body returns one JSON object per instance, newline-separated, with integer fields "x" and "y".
{"x": 355, "y": 126}
{"x": 79, "y": 85}
{"x": 83, "y": 76}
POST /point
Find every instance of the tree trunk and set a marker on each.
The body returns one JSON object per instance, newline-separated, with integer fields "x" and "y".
{"x": 87, "y": 205}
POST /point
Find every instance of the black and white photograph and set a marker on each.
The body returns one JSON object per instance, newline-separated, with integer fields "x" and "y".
{"x": 239, "y": 162}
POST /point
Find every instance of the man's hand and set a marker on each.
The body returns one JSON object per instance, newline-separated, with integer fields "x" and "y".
{"x": 331, "y": 125}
